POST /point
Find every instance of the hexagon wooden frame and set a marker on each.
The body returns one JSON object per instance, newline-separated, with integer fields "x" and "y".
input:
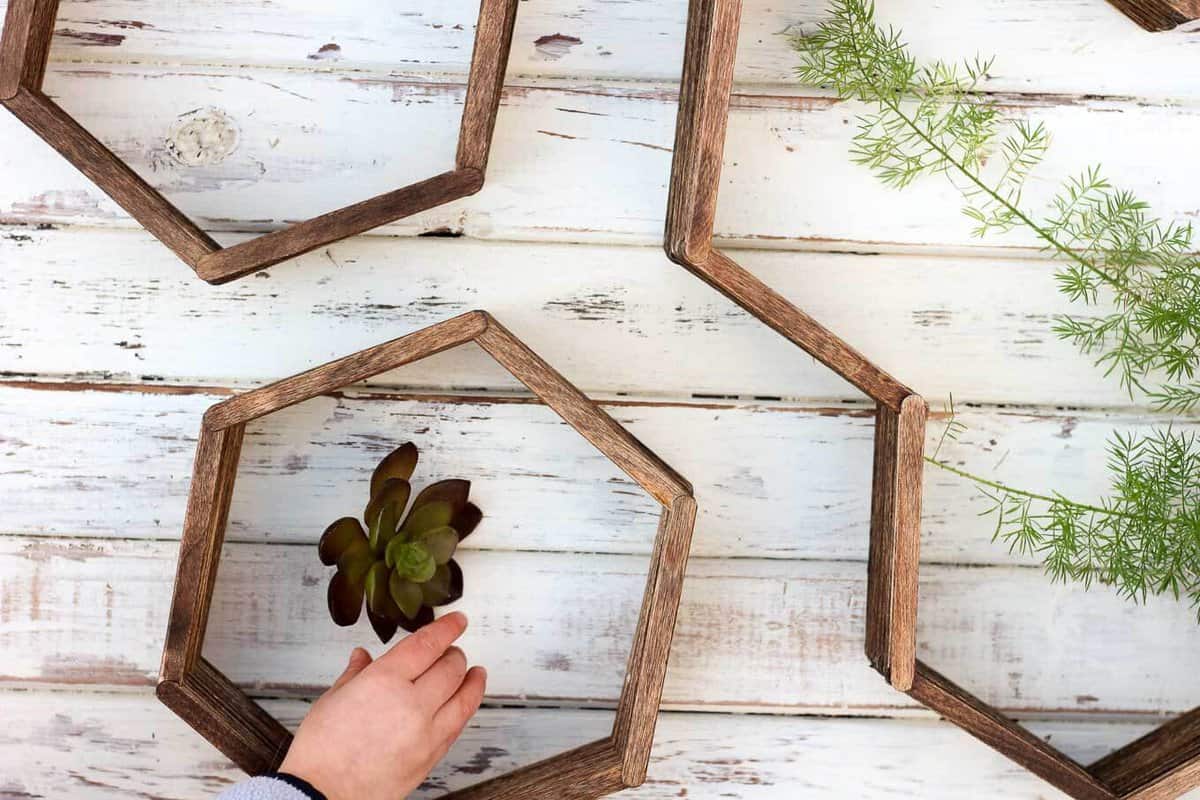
{"x": 25, "y": 46}
{"x": 1161, "y": 765}
{"x": 209, "y": 702}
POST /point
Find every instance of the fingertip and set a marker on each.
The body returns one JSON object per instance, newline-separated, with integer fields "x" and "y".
{"x": 458, "y": 619}
{"x": 359, "y": 656}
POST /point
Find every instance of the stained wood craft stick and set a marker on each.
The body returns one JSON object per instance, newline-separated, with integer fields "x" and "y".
{"x": 219, "y": 711}
{"x": 621, "y": 447}
{"x": 778, "y": 313}
{"x": 111, "y": 174}
{"x": 710, "y": 49}
{"x": 230, "y": 263}
{"x": 213, "y": 476}
{"x": 1005, "y": 736}
{"x": 1170, "y": 784}
{"x": 25, "y": 44}
{"x": 648, "y": 662}
{"x": 493, "y": 38}
{"x": 584, "y": 773}
{"x": 1155, "y": 758}
{"x": 1159, "y": 15}
{"x": 345, "y": 371}
{"x": 894, "y": 557}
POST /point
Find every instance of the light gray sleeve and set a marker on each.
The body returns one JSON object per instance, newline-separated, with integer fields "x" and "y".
{"x": 262, "y": 789}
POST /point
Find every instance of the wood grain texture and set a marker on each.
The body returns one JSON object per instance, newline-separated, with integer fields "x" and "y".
{"x": 92, "y": 612}
{"x": 141, "y": 201}
{"x": 221, "y": 713}
{"x": 493, "y": 40}
{"x": 347, "y": 370}
{"x": 614, "y": 306}
{"x": 132, "y": 747}
{"x": 213, "y": 476}
{"x": 606, "y": 435}
{"x": 1042, "y": 48}
{"x": 986, "y": 724}
{"x": 778, "y": 469}
{"x": 25, "y": 44}
{"x": 235, "y": 262}
{"x": 1159, "y": 15}
{"x": 1158, "y": 765}
{"x": 590, "y": 771}
{"x": 776, "y": 142}
{"x": 641, "y": 694}
{"x": 892, "y": 571}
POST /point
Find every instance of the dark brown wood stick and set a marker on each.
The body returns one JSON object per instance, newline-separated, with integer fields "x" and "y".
{"x": 777, "y": 312}
{"x": 256, "y": 254}
{"x": 710, "y": 49}
{"x": 493, "y": 38}
{"x": 345, "y": 371}
{"x": 621, "y": 447}
{"x": 221, "y": 713}
{"x": 111, "y": 174}
{"x": 584, "y": 773}
{"x": 25, "y": 45}
{"x": 894, "y": 558}
{"x": 1154, "y": 758}
{"x": 1159, "y": 15}
{"x": 642, "y": 695}
{"x": 1005, "y": 736}
{"x": 213, "y": 475}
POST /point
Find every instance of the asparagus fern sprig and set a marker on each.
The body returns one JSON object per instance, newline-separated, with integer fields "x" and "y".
{"x": 933, "y": 120}
{"x": 1142, "y": 539}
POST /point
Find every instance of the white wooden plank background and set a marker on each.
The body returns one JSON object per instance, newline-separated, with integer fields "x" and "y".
{"x": 110, "y": 352}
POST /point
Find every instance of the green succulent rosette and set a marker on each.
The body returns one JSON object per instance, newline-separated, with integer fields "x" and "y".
{"x": 401, "y": 566}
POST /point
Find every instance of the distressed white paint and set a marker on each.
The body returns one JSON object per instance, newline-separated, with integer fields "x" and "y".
{"x": 329, "y": 140}
{"x": 248, "y": 117}
{"x": 554, "y": 628}
{"x": 773, "y": 480}
{"x": 128, "y": 745}
{"x": 1083, "y": 47}
{"x": 126, "y": 309}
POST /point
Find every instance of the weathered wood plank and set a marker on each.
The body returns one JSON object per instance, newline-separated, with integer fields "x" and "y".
{"x": 1087, "y": 48}
{"x": 202, "y": 138}
{"x": 123, "y": 310}
{"x": 124, "y": 746}
{"x": 771, "y": 479}
{"x": 781, "y": 636}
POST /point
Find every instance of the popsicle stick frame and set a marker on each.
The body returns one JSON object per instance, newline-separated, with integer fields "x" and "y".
{"x": 219, "y": 710}
{"x": 1159, "y": 15}
{"x": 28, "y": 28}
{"x": 1159, "y": 766}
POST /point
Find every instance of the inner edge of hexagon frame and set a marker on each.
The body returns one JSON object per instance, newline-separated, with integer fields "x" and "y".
{"x": 25, "y": 47}
{"x": 221, "y": 712}
{"x": 1158, "y": 766}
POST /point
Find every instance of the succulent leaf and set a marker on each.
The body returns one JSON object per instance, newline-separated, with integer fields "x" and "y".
{"x": 384, "y": 628}
{"x": 424, "y": 617}
{"x": 379, "y": 599}
{"x": 440, "y": 542}
{"x": 345, "y": 598}
{"x": 337, "y": 538}
{"x": 399, "y": 463}
{"x": 454, "y": 491}
{"x": 412, "y": 560}
{"x": 466, "y": 519}
{"x": 384, "y": 529}
{"x": 427, "y": 516}
{"x": 407, "y": 595}
{"x": 394, "y": 491}
{"x": 444, "y": 587}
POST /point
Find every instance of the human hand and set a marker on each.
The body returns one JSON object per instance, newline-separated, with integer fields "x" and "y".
{"x": 383, "y": 725}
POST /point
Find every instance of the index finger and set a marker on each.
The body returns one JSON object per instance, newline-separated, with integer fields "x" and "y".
{"x": 418, "y": 652}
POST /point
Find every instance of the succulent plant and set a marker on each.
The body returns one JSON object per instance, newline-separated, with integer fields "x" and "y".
{"x": 401, "y": 565}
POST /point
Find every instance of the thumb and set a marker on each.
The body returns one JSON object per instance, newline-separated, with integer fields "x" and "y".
{"x": 359, "y": 660}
